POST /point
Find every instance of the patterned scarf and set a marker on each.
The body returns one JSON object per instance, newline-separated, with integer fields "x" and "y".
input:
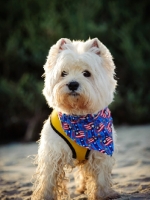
{"x": 90, "y": 131}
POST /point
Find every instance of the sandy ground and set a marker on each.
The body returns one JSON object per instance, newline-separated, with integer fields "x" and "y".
{"x": 131, "y": 174}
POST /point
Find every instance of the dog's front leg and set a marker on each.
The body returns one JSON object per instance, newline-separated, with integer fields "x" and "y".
{"x": 45, "y": 178}
{"x": 99, "y": 181}
{"x": 49, "y": 179}
{"x": 104, "y": 180}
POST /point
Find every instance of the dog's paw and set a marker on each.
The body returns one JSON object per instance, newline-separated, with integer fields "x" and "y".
{"x": 112, "y": 195}
{"x": 42, "y": 198}
{"x": 80, "y": 191}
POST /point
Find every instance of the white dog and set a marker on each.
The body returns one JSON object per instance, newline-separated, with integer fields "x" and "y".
{"x": 79, "y": 86}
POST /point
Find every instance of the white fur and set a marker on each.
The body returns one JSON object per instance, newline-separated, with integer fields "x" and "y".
{"x": 94, "y": 94}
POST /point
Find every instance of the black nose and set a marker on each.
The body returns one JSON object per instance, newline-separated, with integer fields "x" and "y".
{"x": 73, "y": 85}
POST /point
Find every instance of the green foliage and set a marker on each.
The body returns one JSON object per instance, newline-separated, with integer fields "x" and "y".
{"x": 29, "y": 28}
{"x": 21, "y": 98}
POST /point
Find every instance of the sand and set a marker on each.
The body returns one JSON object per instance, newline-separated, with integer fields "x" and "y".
{"x": 131, "y": 174}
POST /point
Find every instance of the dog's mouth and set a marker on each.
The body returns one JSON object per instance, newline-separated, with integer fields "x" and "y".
{"x": 74, "y": 94}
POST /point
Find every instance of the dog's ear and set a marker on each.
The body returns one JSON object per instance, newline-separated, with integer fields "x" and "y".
{"x": 62, "y": 46}
{"x": 62, "y": 43}
{"x": 95, "y": 46}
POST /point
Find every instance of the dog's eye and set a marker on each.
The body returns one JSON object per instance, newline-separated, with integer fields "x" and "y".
{"x": 63, "y": 74}
{"x": 86, "y": 73}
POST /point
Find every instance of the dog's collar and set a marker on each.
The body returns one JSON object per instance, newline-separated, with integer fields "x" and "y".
{"x": 91, "y": 131}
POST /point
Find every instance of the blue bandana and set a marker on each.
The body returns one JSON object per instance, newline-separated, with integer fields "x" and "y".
{"x": 91, "y": 131}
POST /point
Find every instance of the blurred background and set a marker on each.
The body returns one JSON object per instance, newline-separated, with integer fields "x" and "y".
{"x": 28, "y": 29}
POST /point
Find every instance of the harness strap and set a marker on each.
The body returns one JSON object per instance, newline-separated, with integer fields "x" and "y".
{"x": 78, "y": 152}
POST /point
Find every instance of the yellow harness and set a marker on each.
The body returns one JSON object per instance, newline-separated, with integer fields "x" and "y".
{"x": 78, "y": 152}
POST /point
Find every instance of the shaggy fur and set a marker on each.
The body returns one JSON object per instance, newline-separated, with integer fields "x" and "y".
{"x": 68, "y": 61}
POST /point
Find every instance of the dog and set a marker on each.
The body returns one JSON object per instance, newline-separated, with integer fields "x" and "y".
{"x": 79, "y": 86}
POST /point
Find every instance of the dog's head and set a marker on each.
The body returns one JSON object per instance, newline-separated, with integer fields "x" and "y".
{"x": 79, "y": 77}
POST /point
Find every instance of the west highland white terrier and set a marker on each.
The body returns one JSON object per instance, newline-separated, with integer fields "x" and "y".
{"x": 79, "y": 86}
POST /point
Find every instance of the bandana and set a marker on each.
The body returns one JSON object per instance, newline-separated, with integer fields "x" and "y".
{"x": 91, "y": 131}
